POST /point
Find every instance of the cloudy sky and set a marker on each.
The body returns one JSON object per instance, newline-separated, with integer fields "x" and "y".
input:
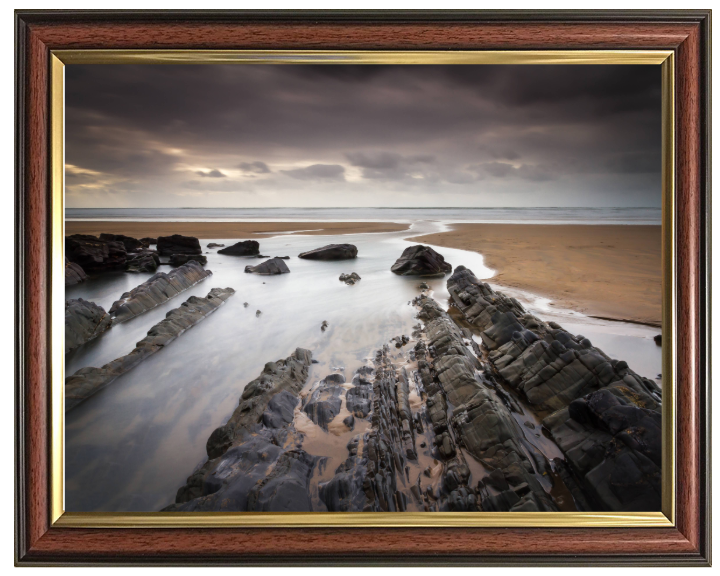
{"x": 272, "y": 136}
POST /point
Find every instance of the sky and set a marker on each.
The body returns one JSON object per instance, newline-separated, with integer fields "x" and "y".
{"x": 360, "y": 135}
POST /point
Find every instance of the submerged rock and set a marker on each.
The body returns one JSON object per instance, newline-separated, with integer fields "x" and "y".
{"x": 156, "y": 290}
{"x": 420, "y": 261}
{"x": 74, "y": 274}
{"x": 180, "y": 259}
{"x": 178, "y": 244}
{"x": 350, "y": 279}
{"x": 83, "y": 321}
{"x": 331, "y": 252}
{"x": 215, "y": 245}
{"x": 93, "y": 254}
{"x": 244, "y": 248}
{"x": 87, "y": 381}
{"x": 269, "y": 267}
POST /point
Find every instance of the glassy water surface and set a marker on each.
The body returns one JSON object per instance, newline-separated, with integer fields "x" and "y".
{"x": 132, "y": 445}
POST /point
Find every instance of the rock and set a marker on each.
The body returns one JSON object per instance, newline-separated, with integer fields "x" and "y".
{"x": 147, "y": 261}
{"x": 74, "y": 274}
{"x": 87, "y": 381}
{"x": 84, "y": 321}
{"x": 331, "y": 252}
{"x": 245, "y": 248}
{"x": 350, "y": 279}
{"x": 180, "y": 259}
{"x": 148, "y": 241}
{"x": 423, "y": 286}
{"x": 245, "y": 304}
{"x": 215, "y": 245}
{"x": 283, "y": 257}
{"x": 658, "y": 339}
{"x": 257, "y": 313}
{"x": 93, "y": 254}
{"x": 269, "y": 267}
{"x": 131, "y": 244}
{"x": 420, "y": 261}
{"x": 325, "y": 401}
{"x": 324, "y": 325}
{"x": 280, "y": 410}
{"x": 156, "y": 290}
{"x": 177, "y": 244}
{"x": 349, "y": 422}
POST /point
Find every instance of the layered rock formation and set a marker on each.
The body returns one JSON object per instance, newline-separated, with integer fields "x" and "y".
{"x": 269, "y": 267}
{"x": 74, "y": 274}
{"x": 603, "y": 416}
{"x": 156, "y": 290}
{"x": 420, "y": 261}
{"x": 331, "y": 252}
{"x": 178, "y": 244}
{"x": 144, "y": 261}
{"x": 244, "y": 248}
{"x": 87, "y": 381}
{"x": 180, "y": 259}
{"x": 94, "y": 254}
{"x": 83, "y": 321}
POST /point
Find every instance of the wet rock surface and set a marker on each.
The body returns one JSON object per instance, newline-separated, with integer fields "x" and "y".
{"x": 215, "y": 245}
{"x": 331, "y": 252}
{"x": 178, "y": 244}
{"x": 145, "y": 261}
{"x": 131, "y": 244}
{"x": 84, "y": 321}
{"x": 350, "y": 279}
{"x": 180, "y": 259}
{"x": 244, "y": 248}
{"x": 156, "y": 290}
{"x": 87, "y": 381}
{"x": 74, "y": 274}
{"x": 269, "y": 267}
{"x": 94, "y": 254}
{"x": 421, "y": 261}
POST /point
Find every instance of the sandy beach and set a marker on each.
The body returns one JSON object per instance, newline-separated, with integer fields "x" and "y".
{"x": 225, "y": 230}
{"x": 605, "y": 271}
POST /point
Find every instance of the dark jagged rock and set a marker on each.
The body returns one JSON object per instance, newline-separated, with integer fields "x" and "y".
{"x": 280, "y": 410}
{"x": 177, "y": 244}
{"x": 83, "y": 321}
{"x": 269, "y": 267}
{"x": 331, "y": 252}
{"x": 147, "y": 261}
{"x": 350, "y": 279}
{"x": 74, "y": 274}
{"x": 658, "y": 339}
{"x": 215, "y": 245}
{"x": 149, "y": 241}
{"x": 131, "y": 244}
{"x": 156, "y": 290}
{"x": 93, "y": 254}
{"x": 180, "y": 259}
{"x": 245, "y": 248}
{"x": 87, "y": 381}
{"x": 420, "y": 261}
{"x": 325, "y": 401}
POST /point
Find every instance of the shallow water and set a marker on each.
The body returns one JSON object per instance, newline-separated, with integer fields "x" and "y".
{"x": 132, "y": 445}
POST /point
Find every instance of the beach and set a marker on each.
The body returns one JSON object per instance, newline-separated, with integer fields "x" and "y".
{"x": 607, "y": 271}
{"x": 226, "y": 230}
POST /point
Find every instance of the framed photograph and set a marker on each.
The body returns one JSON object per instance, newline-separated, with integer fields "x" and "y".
{"x": 436, "y": 284}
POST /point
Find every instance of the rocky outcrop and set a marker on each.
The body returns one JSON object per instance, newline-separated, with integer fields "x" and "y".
{"x": 131, "y": 244}
{"x": 148, "y": 241}
{"x": 324, "y": 403}
{"x": 331, "y": 252}
{"x": 83, "y": 321}
{"x": 93, "y": 254}
{"x": 180, "y": 259}
{"x": 144, "y": 261}
{"x": 269, "y": 267}
{"x": 74, "y": 274}
{"x": 603, "y": 416}
{"x": 87, "y": 381}
{"x": 350, "y": 279}
{"x": 244, "y": 248}
{"x": 420, "y": 261}
{"x": 215, "y": 245}
{"x": 177, "y": 244}
{"x": 256, "y": 462}
{"x": 156, "y": 290}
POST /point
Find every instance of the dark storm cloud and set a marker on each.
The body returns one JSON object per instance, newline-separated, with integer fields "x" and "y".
{"x": 483, "y": 132}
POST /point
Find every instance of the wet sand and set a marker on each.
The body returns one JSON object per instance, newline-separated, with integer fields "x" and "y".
{"x": 225, "y": 230}
{"x": 607, "y": 271}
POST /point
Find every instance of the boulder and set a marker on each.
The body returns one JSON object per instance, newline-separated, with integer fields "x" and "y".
{"x": 180, "y": 259}
{"x": 131, "y": 244}
{"x": 215, "y": 245}
{"x": 147, "y": 261}
{"x": 331, "y": 252}
{"x": 177, "y": 244}
{"x": 269, "y": 267}
{"x": 93, "y": 254}
{"x": 244, "y": 248}
{"x": 83, "y": 321}
{"x": 74, "y": 274}
{"x": 420, "y": 261}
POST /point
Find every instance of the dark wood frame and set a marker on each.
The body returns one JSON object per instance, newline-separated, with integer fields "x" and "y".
{"x": 685, "y": 32}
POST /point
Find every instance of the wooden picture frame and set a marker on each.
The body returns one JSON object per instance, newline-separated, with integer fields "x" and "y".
{"x": 42, "y": 540}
